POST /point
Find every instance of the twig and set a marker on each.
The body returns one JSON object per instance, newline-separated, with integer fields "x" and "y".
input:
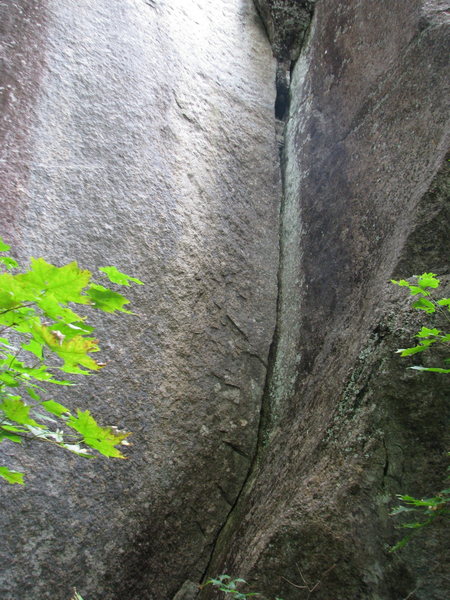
{"x": 306, "y": 586}
{"x": 300, "y": 587}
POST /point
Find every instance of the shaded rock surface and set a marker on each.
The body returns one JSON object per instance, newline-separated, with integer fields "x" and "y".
{"x": 140, "y": 134}
{"x": 346, "y": 425}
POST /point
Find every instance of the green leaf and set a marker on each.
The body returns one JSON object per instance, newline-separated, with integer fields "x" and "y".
{"x": 444, "y": 302}
{"x": 411, "y": 500}
{"x": 34, "y": 347}
{"x": 116, "y": 276}
{"x": 8, "y": 378}
{"x": 428, "y": 280}
{"x": 430, "y": 369}
{"x": 400, "y": 544}
{"x": 55, "y": 408}
{"x": 4, "y": 247}
{"x": 11, "y": 476}
{"x": 10, "y": 436}
{"x": 9, "y": 262}
{"x": 102, "y": 439}
{"x": 418, "y": 524}
{"x": 424, "y": 304}
{"x": 16, "y": 410}
{"x": 401, "y": 283}
{"x": 415, "y": 349}
{"x": 425, "y": 332}
{"x": 13, "y": 428}
{"x": 107, "y": 300}
{"x": 401, "y": 509}
{"x": 74, "y": 351}
{"x": 415, "y": 289}
{"x": 64, "y": 283}
{"x": 51, "y": 307}
{"x": 70, "y": 330}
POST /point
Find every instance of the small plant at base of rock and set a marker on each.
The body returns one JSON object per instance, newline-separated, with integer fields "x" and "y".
{"x": 228, "y": 585}
{"x": 427, "y": 337}
{"x": 428, "y": 509}
{"x": 46, "y": 336}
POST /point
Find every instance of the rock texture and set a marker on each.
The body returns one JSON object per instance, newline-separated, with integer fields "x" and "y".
{"x": 346, "y": 426}
{"x": 140, "y": 134}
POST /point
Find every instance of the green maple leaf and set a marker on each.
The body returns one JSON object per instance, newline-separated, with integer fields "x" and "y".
{"x": 16, "y": 410}
{"x": 444, "y": 302}
{"x": 424, "y": 304}
{"x": 34, "y": 347}
{"x": 107, "y": 300}
{"x": 64, "y": 283}
{"x": 426, "y": 332}
{"x": 9, "y": 262}
{"x": 51, "y": 307}
{"x": 116, "y": 276}
{"x": 10, "y": 436}
{"x": 102, "y": 439}
{"x": 55, "y": 408}
{"x": 3, "y": 247}
{"x": 428, "y": 280}
{"x": 8, "y": 378}
{"x": 11, "y": 476}
{"x": 74, "y": 351}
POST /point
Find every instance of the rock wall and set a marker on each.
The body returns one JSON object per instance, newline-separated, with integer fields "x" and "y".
{"x": 139, "y": 133}
{"x": 345, "y": 425}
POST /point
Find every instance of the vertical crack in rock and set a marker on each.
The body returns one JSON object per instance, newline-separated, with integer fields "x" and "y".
{"x": 287, "y": 23}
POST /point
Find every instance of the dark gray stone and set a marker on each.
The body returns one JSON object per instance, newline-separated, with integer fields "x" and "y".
{"x": 346, "y": 425}
{"x": 188, "y": 591}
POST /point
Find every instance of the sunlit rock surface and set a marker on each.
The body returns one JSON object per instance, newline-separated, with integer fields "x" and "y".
{"x": 140, "y": 134}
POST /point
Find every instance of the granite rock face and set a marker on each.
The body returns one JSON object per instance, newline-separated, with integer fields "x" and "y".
{"x": 346, "y": 425}
{"x": 140, "y": 134}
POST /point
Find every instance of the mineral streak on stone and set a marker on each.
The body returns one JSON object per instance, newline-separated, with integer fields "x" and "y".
{"x": 348, "y": 425}
{"x": 140, "y": 134}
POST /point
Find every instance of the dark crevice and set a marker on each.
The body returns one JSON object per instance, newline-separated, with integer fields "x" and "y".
{"x": 265, "y": 425}
{"x": 386, "y": 465}
{"x": 236, "y": 449}
{"x": 282, "y": 84}
{"x": 224, "y": 495}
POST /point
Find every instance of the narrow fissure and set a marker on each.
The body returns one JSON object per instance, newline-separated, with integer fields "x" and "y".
{"x": 283, "y": 73}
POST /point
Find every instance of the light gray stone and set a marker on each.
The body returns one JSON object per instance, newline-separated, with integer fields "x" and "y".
{"x": 140, "y": 134}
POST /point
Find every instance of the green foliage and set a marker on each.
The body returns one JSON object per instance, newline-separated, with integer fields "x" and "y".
{"x": 228, "y": 585}
{"x": 426, "y": 510}
{"x": 41, "y": 336}
{"x": 426, "y": 302}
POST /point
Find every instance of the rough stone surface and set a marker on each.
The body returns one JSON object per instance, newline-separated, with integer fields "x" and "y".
{"x": 346, "y": 425}
{"x": 286, "y": 23}
{"x": 140, "y": 134}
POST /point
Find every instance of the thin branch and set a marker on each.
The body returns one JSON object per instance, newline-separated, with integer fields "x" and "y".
{"x": 300, "y": 587}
